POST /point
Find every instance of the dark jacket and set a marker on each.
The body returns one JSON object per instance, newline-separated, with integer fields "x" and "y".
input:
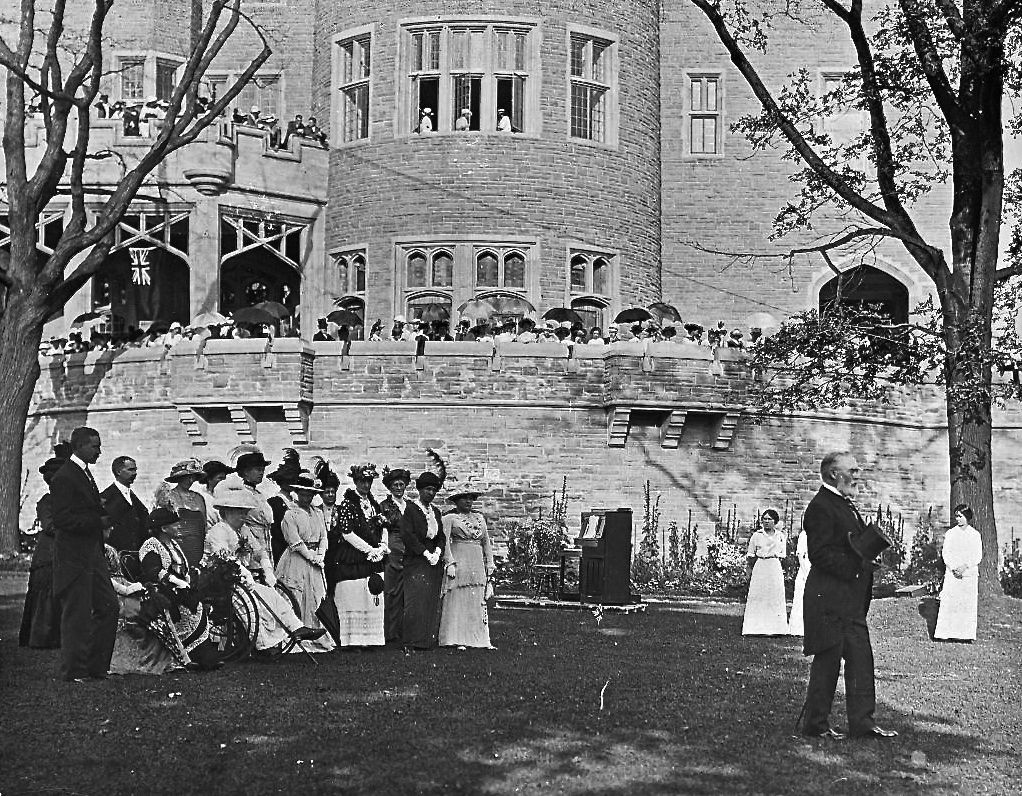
{"x": 840, "y": 583}
{"x": 131, "y": 522}
{"x": 395, "y": 520}
{"x": 413, "y": 532}
{"x": 345, "y": 562}
{"x": 79, "y": 520}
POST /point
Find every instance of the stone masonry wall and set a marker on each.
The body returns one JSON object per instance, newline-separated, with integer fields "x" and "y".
{"x": 518, "y": 420}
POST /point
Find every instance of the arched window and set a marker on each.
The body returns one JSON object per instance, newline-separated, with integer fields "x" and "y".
{"x": 356, "y": 331}
{"x": 601, "y": 272}
{"x": 416, "y": 270}
{"x": 578, "y": 273}
{"x": 443, "y": 269}
{"x": 434, "y": 310}
{"x": 593, "y": 311}
{"x": 487, "y": 271}
{"x": 358, "y": 277}
{"x": 869, "y": 291}
{"x": 514, "y": 270}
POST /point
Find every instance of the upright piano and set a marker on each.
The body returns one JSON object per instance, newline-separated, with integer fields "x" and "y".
{"x": 604, "y": 573}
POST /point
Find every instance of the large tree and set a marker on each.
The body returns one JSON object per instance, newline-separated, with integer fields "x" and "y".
{"x": 930, "y": 78}
{"x": 65, "y": 68}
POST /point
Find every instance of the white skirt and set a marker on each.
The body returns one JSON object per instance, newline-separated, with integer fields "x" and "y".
{"x": 360, "y": 614}
{"x": 796, "y": 625}
{"x": 959, "y": 604}
{"x": 765, "y": 611}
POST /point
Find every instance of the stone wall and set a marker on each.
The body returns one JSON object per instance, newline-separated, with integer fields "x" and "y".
{"x": 517, "y": 418}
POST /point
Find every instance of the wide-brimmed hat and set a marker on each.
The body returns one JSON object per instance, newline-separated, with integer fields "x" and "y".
{"x": 212, "y": 469}
{"x": 290, "y": 468}
{"x": 471, "y": 494}
{"x": 162, "y": 516}
{"x": 231, "y": 495}
{"x": 693, "y": 327}
{"x": 428, "y": 479}
{"x": 184, "y": 469}
{"x": 400, "y": 319}
{"x": 306, "y": 483}
{"x": 325, "y": 475}
{"x": 363, "y": 472}
{"x": 397, "y": 474}
{"x": 246, "y": 460}
{"x": 50, "y": 466}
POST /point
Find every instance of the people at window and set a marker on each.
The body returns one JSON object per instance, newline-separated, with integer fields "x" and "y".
{"x": 102, "y": 106}
{"x": 503, "y": 121}
{"x": 425, "y": 124}
{"x": 464, "y": 121}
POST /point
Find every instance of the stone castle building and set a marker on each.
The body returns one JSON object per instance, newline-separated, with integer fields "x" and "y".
{"x": 564, "y": 152}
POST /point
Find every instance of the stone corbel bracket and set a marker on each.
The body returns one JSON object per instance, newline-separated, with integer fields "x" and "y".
{"x": 672, "y": 429}
{"x": 243, "y": 422}
{"x": 195, "y": 426}
{"x": 296, "y": 417}
{"x": 726, "y": 430}
{"x": 618, "y": 421}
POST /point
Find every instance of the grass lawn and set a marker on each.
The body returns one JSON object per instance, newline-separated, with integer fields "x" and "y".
{"x": 688, "y": 706}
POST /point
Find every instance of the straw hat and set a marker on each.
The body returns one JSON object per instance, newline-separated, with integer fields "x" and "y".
{"x": 184, "y": 469}
{"x": 230, "y": 495}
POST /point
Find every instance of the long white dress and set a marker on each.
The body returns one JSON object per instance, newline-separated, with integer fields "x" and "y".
{"x": 956, "y": 619}
{"x": 303, "y": 530}
{"x": 463, "y": 617}
{"x": 766, "y": 613}
{"x": 276, "y": 616}
{"x": 796, "y": 626}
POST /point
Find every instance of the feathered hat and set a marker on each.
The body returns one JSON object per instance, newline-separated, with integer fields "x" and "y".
{"x": 325, "y": 475}
{"x": 247, "y": 455}
{"x": 289, "y": 470}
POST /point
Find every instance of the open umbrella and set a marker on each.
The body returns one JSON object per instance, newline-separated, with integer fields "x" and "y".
{"x": 665, "y": 312}
{"x": 477, "y": 309}
{"x": 212, "y": 318}
{"x": 345, "y": 318}
{"x": 87, "y": 317}
{"x": 275, "y": 308}
{"x": 562, "y": 314}
{"x": 633, "y": 315}
{"x": 159, "y": 327}
{"x": 254, "y": 314}
{"x": 763, "y": 321}
{"x": 434, "y": 312}
{"x": 511, "y": 305}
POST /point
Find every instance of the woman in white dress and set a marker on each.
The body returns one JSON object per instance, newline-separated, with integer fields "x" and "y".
{"x": 463, "y": 618}
{"x": 962, "y": 551}
{"x": 230, "y": 539}
{"x": 765, "y": 610}
{"x": 795, "y": 624}
{"x": 300, "y": 567}
{"x": 214, "y": 472}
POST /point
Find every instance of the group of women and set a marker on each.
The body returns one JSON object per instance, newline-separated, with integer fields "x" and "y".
{"x": 323, "y": 570}
{"x": 766, "y": 611}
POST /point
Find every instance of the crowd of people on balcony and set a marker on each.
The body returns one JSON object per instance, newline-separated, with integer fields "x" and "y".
{"x": 526, "y": 330}
{"x": 510, "y": 330}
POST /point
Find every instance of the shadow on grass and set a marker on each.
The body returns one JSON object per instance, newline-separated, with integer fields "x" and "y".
{"x": 667, "y": 702}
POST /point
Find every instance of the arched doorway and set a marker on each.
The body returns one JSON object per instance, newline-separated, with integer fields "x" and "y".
{"x": 260, "y": 260}
{"x": 145, "y": 278}
{"x": 865, "y": 290}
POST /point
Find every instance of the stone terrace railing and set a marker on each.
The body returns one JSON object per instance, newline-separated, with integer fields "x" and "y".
{"x": 245, "y": 382}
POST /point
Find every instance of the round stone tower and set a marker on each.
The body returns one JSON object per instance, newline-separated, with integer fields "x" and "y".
{"x": 483, "y": 149}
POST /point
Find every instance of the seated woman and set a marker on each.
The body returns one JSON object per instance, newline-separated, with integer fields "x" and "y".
{"x": 228, "y": 539}
{"x": 165, "y": 569}
{"x": 145, "y": 642}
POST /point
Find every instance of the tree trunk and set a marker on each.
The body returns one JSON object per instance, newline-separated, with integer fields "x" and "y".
{"x": 21, "y": 326}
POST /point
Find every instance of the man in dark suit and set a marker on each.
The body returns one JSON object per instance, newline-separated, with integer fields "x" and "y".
{"x": 128, "y": 515}
{"x": 81, "y": 579}
{"x": 837, "y": 596}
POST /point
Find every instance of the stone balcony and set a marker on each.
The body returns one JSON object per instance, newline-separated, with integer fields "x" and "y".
{"x": 224, "y": 156}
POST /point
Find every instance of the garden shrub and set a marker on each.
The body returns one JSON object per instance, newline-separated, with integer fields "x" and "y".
{"x": 925, "y": 565}
{"x": 1011, "y": 572}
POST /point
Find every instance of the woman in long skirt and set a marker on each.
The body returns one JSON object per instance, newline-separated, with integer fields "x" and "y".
{"x": 796, "y": 626}
{"x": 357, "y": 552}
{"x": 423, "y": 535}
{"x": 40, "y": 622}
{"x": 188, "y": 505}
{"x": 962, "y": 551}
{"x": 300, "y": 567}
{"x": 463, "y": 618}
{"x": 765, "y": 610}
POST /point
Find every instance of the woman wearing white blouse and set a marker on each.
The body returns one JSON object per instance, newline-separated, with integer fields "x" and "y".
{"x": 765, "y": 611}
{"x": 962, "y": 552}
{"x": 796, "y": 626}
